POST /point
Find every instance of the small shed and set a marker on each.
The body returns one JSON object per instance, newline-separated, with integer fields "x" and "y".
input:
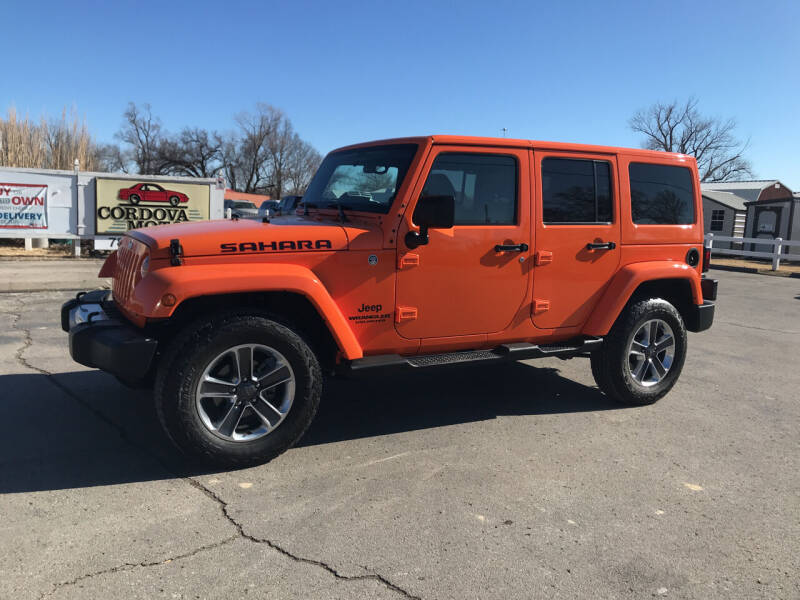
{"x": 724, "y": 213}
{"x": 770, "y": 219}
{"x": 732, "y": 200}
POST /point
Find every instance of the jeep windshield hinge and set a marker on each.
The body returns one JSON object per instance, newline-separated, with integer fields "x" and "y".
{"x": 175, "y": 253}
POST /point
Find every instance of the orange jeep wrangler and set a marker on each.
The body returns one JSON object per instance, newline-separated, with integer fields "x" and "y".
{"x": 406, "y": 254}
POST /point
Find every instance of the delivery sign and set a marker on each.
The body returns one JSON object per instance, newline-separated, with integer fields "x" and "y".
{"x": 23, "y": 206}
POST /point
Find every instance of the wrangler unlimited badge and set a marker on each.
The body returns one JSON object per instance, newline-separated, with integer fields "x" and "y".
{"x": 275, "y": 246}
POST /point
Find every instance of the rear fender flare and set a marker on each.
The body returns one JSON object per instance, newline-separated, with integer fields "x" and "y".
{"x": 193, "y": 281}
{"x": 624, "y": 284}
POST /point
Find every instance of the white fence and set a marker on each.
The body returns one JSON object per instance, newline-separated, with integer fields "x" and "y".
{"x": 777, "y": 247}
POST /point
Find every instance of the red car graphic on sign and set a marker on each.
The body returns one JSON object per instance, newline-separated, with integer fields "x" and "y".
{"x": 150, "y": 192}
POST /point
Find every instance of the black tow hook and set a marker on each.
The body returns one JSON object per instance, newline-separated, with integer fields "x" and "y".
{"x": 175, "y": 253}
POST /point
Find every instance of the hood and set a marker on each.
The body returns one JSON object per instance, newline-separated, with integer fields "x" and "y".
{"x": 243, "y": 236}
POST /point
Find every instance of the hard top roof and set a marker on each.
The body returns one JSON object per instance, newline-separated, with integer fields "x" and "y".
{"x": 462, "y": 140}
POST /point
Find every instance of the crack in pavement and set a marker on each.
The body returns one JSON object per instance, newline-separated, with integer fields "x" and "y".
{"x": 758, "y": 328}
{"x": 131, "y": 566}
{"x": 223, "y": 505}
{"x": 300, "y": 559}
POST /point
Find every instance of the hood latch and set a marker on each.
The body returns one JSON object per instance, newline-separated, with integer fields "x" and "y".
{"x": 175, "y": 253}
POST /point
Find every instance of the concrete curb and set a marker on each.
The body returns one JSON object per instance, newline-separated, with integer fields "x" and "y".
{"x": 769, "y": 272}
{"x": 75, "y": 259}
{"x": 56, "y": 286}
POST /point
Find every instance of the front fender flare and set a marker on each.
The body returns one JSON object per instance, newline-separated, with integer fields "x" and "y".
{"x": 192, "y": 281}
{"x": 625, "y": 282}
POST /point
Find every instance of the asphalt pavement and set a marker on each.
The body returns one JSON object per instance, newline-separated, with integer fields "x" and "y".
{"x": 513, "y": 481}
{"x": 53, "y": 274}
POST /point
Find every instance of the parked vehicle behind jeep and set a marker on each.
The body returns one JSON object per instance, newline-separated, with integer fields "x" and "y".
{"x": 409, "y": 254}
{"x": 269, "y": 208}
{"x": 241, "y": 209}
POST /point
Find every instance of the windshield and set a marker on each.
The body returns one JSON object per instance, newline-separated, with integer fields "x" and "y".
{"x": 362, "y": 179}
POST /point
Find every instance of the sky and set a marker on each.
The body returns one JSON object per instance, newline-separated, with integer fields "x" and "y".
{"x": 346, "y": 72}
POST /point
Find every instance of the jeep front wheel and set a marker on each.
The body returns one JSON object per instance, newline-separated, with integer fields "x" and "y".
{"x": 642, "y": 357}
{"x": 238, "y": 390}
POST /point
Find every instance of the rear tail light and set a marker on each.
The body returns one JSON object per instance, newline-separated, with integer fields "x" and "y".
{"x": 706, "y": 258}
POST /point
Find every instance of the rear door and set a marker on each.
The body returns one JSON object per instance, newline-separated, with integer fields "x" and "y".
{"x": 577, "y": 234}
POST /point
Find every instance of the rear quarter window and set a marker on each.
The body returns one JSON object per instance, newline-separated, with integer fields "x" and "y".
{"x": 661, "y": 194}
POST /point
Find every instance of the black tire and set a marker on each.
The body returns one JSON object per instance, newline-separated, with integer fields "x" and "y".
{"x": 174, "y": 201}
{"x": 134, "y": 199}
{"x": 183, "y": 365}
{"x": 611, "y": 367}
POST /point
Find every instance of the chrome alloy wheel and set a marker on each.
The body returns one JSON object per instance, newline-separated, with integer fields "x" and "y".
{"x": 651, "y": 352}
{"x": 245, "y": 392}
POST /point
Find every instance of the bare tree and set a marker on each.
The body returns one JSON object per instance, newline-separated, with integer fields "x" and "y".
{"x": 303, "y": 163}
{"x": 262, "y": 155}
{"x": 280, "y": 146}
{"x": 194, "y": 152}
{"x": 676, "y": 127}
{"x": 245, "y": 153}
{"x": 141, "y": 131}
{"x": 111, "y": 159}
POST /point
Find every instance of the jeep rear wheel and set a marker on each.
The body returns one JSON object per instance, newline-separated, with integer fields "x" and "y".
{"x": 238, "y": 389}
{"x": 642, "y": 357}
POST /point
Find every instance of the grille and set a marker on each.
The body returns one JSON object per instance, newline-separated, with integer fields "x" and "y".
{"x": 129, "y": 261}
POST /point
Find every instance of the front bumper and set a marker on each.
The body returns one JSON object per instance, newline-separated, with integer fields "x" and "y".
{"x": 100, "y": 338}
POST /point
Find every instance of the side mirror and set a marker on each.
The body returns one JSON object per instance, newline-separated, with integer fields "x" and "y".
{"x": 431, "y": 212}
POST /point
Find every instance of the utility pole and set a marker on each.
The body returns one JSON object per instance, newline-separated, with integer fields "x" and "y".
{"x": 505, "y": 131}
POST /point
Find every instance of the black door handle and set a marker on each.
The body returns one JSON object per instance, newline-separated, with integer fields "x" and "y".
{"x": 601, "y": 246}
{"x": 511, "y": 247}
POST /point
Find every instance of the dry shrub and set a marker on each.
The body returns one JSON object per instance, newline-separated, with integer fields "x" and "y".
{"x": 47, "y": 145}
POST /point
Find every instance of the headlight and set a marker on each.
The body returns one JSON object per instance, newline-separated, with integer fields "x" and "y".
{"x": 145, "y": 266}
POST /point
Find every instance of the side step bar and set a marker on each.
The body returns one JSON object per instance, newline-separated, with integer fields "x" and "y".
{"x": 503, "y": 353}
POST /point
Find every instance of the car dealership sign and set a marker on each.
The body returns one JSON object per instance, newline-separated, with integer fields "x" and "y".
{"x": 23, "y": 206}
{"x": 125, "y": 204}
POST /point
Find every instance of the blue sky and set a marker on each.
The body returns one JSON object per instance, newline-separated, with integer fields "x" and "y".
{"x": 354, "y": 71}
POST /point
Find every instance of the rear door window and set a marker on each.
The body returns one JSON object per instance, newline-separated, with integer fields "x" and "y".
{"x": 661, "y": 194}
{"x": 576, "y": 191}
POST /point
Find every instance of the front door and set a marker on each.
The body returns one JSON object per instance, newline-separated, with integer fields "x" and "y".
{"x": 462, "y": 282}
{"x": 577, "y": 235}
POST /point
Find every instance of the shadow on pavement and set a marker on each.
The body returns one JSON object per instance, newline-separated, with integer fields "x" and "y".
{"x": 102, "y": 433}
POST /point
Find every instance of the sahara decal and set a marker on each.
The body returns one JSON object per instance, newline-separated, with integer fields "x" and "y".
{"x": 276, "y": 246}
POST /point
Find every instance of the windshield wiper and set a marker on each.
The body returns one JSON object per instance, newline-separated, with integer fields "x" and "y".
{"x": 332, "y": 204}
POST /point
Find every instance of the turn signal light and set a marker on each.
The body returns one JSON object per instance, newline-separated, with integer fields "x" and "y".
{"x": 168, "y": 300}
{"x": 706, "y": 258}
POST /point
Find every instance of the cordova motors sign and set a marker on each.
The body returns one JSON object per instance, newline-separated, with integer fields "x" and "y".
{"x": 125, "y": 204}
{"x": 23, "y": 206}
